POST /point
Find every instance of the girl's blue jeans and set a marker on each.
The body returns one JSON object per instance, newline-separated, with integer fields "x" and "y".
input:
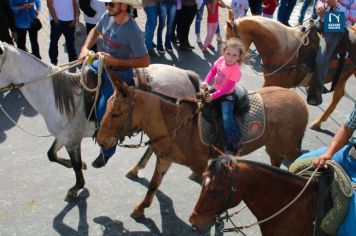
{"x": 231, "y": 129}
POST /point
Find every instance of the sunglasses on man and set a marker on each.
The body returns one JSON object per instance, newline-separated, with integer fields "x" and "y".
{"x": 111, "y": 4}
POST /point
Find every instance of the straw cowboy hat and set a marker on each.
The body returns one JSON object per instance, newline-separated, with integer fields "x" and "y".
{"x": 135, "y": 3}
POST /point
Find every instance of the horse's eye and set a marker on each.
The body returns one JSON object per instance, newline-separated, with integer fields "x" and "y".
{"x": 115, "y": 115}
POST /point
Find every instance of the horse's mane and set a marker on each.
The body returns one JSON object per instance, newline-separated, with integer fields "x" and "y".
{"x": 286, "y": 36}
{"x": 65, "y": 86}
{"x": 219, "y": 167}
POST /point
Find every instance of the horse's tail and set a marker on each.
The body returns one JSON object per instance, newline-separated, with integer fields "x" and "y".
{"x": 194, "y": 79}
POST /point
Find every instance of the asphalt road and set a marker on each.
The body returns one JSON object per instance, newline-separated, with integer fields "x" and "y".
{"x": 32, "y": 188}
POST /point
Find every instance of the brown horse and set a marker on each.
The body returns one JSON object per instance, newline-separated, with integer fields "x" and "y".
{"x": 264, "y": 189}
{"x": 283, "y": 63}
{"x": 174, "y": 133}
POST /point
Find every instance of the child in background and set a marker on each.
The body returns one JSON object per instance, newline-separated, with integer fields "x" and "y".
{"x": 228, "y": 73}
{"x": 213, "y": 22}
{"x": 239, "y": 8}
{"x": 268, "y": 8}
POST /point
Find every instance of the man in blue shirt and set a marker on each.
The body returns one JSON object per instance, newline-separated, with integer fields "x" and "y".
{"x": 340, "y": 139}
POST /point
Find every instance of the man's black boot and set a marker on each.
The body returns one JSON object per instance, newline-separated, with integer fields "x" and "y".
{"x": 314, "y": 92}
{"x": 100, "y": 161}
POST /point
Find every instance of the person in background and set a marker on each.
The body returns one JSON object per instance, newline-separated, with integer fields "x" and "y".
{"x": 25, "y": 12}
{"x": 327, "y": 44}
{"x": 151, "y": 8}
{"x": 255, "y": 7}
{"x": 228, "y": 73}
{"x": 285, "y": 10}
{"x": 93, "y": 10}
{"x": 167, "y": 13}
{"x": 212, "y": 24}
{"x": 62, "y": 15}
{"x": 188, "y": 12}
{"x": 306, "y": 4}
{"x": 239, "y": 8}
{"x": 7, "y": 23}
{"x": 123, "y": 49}
{"x": 268, "y": 8}
{"x": 198, "y": 18}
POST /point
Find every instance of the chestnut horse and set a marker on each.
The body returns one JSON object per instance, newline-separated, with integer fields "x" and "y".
{"x": 264, "y": 189}
{"x": 174, "y": 132}
{"x": 283, "y": 63}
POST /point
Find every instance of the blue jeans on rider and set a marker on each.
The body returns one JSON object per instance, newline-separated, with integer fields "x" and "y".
{"x": 167, "y": 11}
{"x": 151, "y": 23}
{"x": 304, "y": 8}
{"x": 198, "y": 19}
{"x": 231, "y": 129}
{"x": 327, "y": 45}
{"x": 107, "y": 90}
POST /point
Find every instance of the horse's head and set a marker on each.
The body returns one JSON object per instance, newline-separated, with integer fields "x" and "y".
{"x": 117, "y": 120}
{"x": 218, "y": 192}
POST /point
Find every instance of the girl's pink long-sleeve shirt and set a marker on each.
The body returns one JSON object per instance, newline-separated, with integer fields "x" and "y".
{"x": 226, "y": 77}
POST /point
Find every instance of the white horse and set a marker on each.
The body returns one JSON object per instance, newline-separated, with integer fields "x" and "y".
{"x": 59, "y": 100}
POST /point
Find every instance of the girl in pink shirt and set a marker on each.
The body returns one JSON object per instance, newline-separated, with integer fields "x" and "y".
{"x": 226, "y": 73}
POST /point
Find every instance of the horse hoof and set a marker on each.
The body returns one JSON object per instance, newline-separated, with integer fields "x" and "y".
{"x": 84, "y": 165}
{"x": 193, "y": 176}
{"x": 132, "y": 174}
{"x": 71, "y": 196}
{"x": 137, "y": 214}
{"x": 315, "y": 126}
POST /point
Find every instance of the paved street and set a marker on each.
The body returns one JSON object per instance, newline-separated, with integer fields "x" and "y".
{"x": 32, "y": 188}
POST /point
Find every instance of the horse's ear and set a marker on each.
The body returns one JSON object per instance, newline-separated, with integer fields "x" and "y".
{"x": 230, "y": 16}
{"x": 229, "y": 24}
{"x": 121, "y": 87}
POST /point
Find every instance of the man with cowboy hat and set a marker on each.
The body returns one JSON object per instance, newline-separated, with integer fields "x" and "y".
{"x": 123, "y": 49}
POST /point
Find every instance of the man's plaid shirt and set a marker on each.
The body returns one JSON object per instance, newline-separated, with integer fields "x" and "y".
{"x": 351, "y": 121}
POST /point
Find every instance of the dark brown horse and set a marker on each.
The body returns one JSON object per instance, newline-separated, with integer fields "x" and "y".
{"x": 174, "y": 133}
{"x": 283, "y": 63}
{"x": 264, "y": 189}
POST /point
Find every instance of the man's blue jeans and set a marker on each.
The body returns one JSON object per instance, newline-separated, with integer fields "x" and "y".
{"x": 304, "y": 8}
{"x": 107, "y": 90}
{"x": 285, "y": 10}
{"x": 151, "y": 23}
{"x": 167, "y": 10}
{"x": 327, "y": 45}
{"x": 198, "y": 19}
{"x": 231, "y": 129}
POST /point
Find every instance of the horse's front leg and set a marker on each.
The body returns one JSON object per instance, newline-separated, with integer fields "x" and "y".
{"x": 338, "y": 94}
{"x": 162, "y": 165}
{"x": 52, "y": 155}
{"x": 76, "y": 159}
{"x": 133, "y": 171}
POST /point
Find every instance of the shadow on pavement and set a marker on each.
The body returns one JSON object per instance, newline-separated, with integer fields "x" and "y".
{"x": 83, "y": 227}
{"x": 15, "y": 105}
{"x": 171, "y": 223}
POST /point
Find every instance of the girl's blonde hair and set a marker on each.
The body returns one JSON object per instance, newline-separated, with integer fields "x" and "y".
{"x": 235, "y": 42}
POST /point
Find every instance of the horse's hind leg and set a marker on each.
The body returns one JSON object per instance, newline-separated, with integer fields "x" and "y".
{"x": 338, "y": 94}
{"x": 76, "y": 159}
{"x": 133, "y": 171}
{"x": 162, "y": 165}
{"x": 52, "y": 155}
